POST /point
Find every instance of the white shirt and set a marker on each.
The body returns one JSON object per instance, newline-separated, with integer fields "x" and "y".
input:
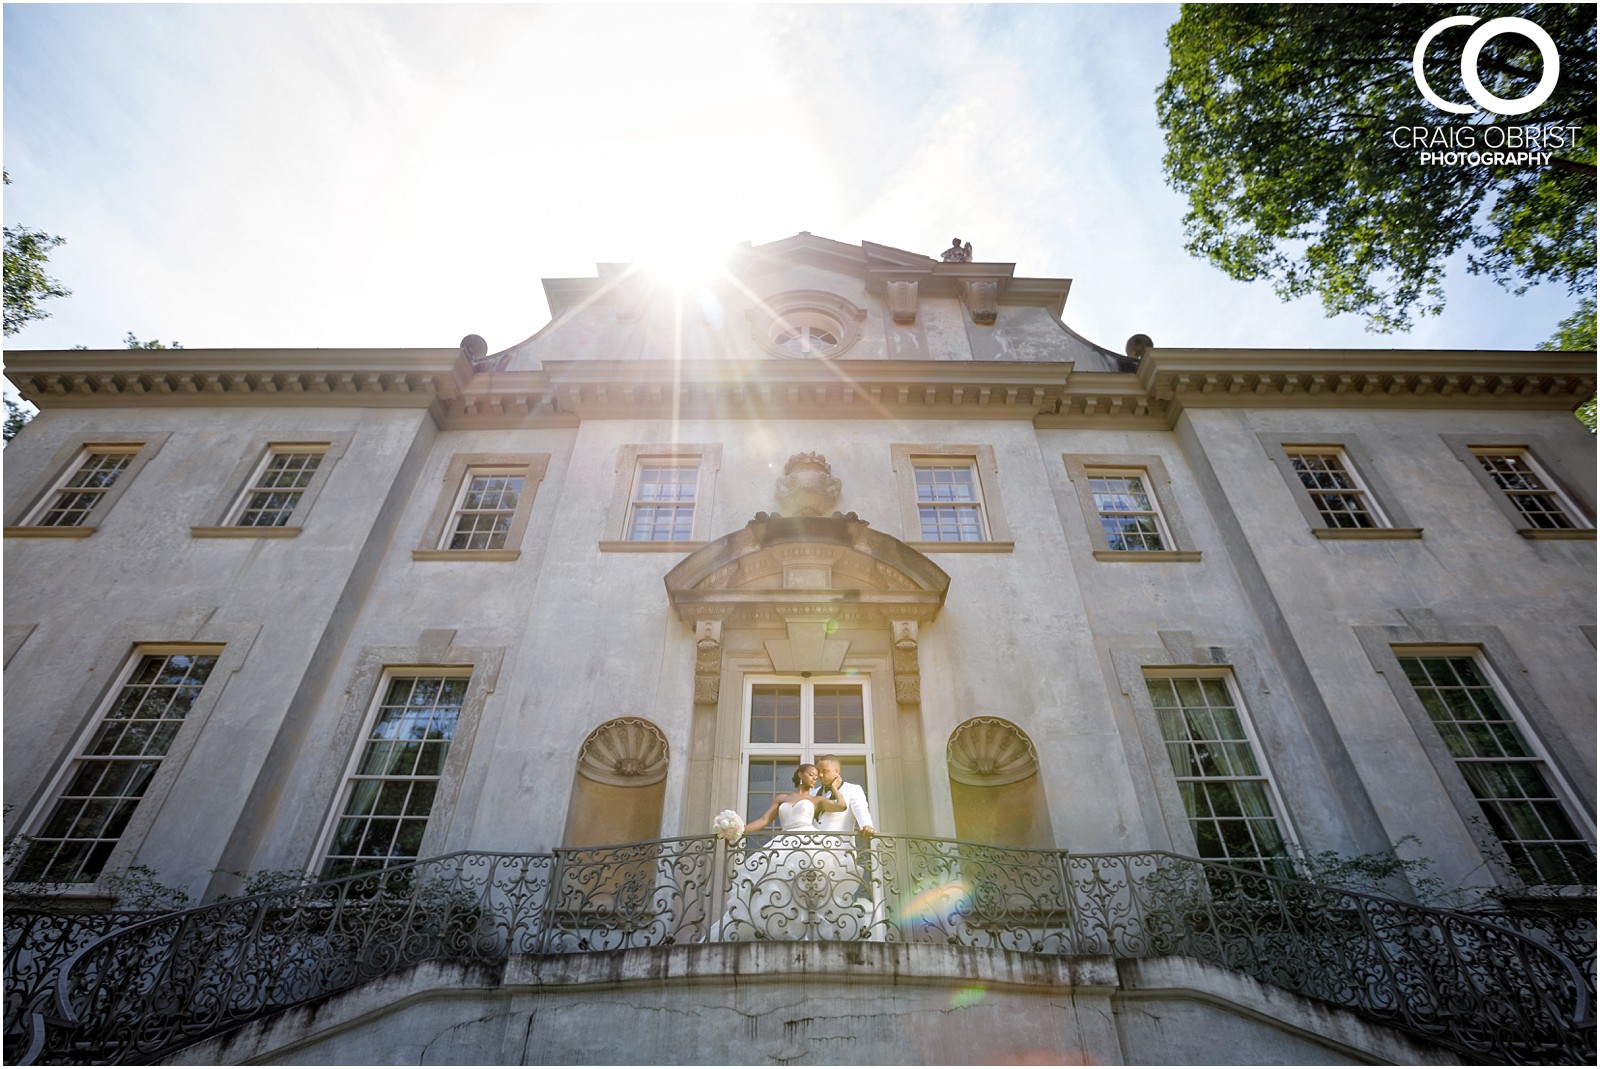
{"x": 856, "y": 816}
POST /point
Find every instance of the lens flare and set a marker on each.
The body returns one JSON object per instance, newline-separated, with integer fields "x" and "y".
{"x": 935, "y": 904}
{"x": 967, "y": 996}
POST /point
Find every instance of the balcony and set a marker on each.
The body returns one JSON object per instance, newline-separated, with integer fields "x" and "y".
{"x": 149, "y": 989}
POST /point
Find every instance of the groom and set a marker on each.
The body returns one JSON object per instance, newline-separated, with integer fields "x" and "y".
{"x": 856, "y": 815}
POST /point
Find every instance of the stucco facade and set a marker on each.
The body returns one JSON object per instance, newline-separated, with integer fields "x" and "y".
{"x": 1051, "y": 615}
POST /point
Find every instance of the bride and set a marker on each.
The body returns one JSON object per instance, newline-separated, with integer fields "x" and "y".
{"x": 797, "y": 811}
{"x": 801, "y": 884}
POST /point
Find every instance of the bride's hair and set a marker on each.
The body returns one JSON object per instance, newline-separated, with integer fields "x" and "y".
{"x": 795, "y": 779}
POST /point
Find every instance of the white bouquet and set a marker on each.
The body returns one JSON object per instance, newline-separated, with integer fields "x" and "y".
{"x": 727, "y": 825}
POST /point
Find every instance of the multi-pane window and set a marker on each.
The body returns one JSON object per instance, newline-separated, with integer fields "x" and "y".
{"x": 71, "y": 502}
{"x": 105, "y": 782}
{"x": 391, "y": 790}
{"x": 949, "y": 504}
{"x": 483, "y": 512}
{"x": 807, "y": 340}
{"x": 1229, "y": 799}
{"x": 662, "y": 504}
{"x": 1512, "y": 784}
{"x": 794, "y": 722}
{"x": 275, "y": 490}
{"x": 1531, "y": 492}
{"x": 1336, "y": 491}
{"x": 1128, "y": 512}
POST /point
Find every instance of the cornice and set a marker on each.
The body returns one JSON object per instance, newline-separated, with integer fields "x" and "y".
{"x": 1332, "y": 378}
{"x": 563, "y": 393}
{"x": 401, "y": 378}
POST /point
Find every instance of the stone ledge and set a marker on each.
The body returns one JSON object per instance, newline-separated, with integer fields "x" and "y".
{"x": 1187, "y": 556}
{"x": 50, "y": 532}
{"x": 244, "y": 532}
{"x": 1568, "y": 534}
{"x": 1366, "y": 534}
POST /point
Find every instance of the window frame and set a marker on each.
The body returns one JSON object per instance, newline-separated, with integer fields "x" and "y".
{"x": 1468, "y": 448}
{"x": 453, "y": 488}
{"x": 67, "y": 462}
{"x": 228, "y": 644}
{"x": 432, "y": 835}
{"x": 1386, "y": 645}
{"x": 1536, "y": 754}
{"x": 228, "y": 505}
{"x": 1280, "y": 811}
{"x": 1385, "y": 506}
{"x": 1082, "y": 467}
{"x": 806, "y": 750}
{"x": 705, "y": 458}
{"x": 905, "y": 458}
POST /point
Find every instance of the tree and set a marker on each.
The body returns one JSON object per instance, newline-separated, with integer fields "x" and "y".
{"x": 1280, "y": 128}
{"x": 130, "y": 342}
{"x": 1577, "y": 333}
{"x": 27, "y": 285}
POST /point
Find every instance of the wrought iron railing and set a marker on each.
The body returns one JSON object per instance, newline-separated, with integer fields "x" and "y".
{"x": 163, "y": 984}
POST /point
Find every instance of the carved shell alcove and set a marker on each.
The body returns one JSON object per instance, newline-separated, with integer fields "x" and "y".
{"x": 625, "y": 752}
{"x": 989, "y": 752}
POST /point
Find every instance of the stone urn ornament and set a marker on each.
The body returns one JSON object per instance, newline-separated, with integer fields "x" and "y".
{"x": 808, "y": 486}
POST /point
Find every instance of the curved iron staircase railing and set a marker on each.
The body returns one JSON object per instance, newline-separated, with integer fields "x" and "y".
{"x": 156, "y": 986}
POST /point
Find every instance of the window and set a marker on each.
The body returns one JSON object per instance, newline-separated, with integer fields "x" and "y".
{"x": 949, "y": 508}
{"x": 1338, "y": 496}
{"x": 276, "y": 488}
{"x": 76, "y": 497}
{"x": 1122, "y": 501}
{"x": 661, "y": 498}
{"x": 793, "y": 722}
{"x": 662, "y": 506}
{"x": 483, "y": 514}
{"x": 807, "y": 340}
{"x": 1128, "y": 514}
{"x": 1509, "y": 779}
{"x": 1541, "y": 505}
{"x": 806, "y": 324}
{"x": 1337, "y": 488}
{"x": 105, "y": 783}
{"x": 484, "y": 506}
{"x": 389, "y": 793}
{"x": 950, "y": 497}
{"x": 1232, "y": 806}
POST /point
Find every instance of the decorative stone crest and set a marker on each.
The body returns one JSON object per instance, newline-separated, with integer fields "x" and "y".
{"x": 983, "y": 299}
{"x": 957, "y": 253}
{"x": 907, "y": 668}
{"x": 902, "y": 301}
{"x": 808, "y": 486}
{"x": 989, "y": 752}
{"x": 625, "y": 752}
{"x": 707, "y": 661}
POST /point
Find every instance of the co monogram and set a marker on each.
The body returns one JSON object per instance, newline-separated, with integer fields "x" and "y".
{"x": 1469, "y": 65}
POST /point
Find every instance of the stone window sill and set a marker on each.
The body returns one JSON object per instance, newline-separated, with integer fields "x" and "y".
{"x": 1152, "y": 555}
{"x": 50, "y": 532}
{"x": 962, "y": 547}
{"x": 621, "y": 545}
{"x": 465, "y": 554}
{"x": 1366, "y": 533}
{"x": 1559, "y": 534}
{"x": 244, "y": 532}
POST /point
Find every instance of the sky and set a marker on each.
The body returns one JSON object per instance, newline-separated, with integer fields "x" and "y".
{"x": 243, "y": 176}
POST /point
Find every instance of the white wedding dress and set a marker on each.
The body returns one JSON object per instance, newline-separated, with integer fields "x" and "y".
{"x": 802, "y": 884}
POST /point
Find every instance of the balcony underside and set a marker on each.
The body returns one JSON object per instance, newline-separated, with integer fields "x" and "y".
{"x": 842, "y": 1003}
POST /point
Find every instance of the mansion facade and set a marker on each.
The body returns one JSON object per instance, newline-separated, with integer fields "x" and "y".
{"x": 335, "y": 611}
